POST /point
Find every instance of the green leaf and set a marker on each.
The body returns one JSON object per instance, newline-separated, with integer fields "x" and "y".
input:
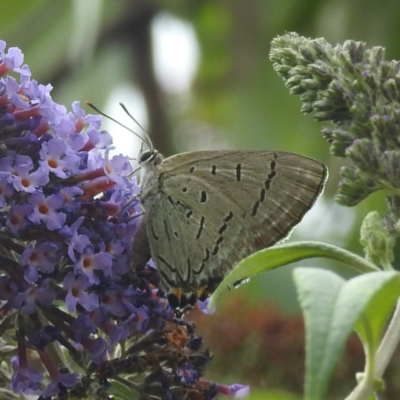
{"x": 4, "y": 325}
{"x": 332, "y": 308}
{"x": 257, "y": 394}
{"x": 279, "y": 255}
{"x": 379, "y": 308}
{"x": 378, "y": 243}
{"x": 121, "y": 391}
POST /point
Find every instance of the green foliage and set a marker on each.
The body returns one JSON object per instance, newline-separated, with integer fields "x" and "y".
{"x": 332, "y": 308}
{"x": 271, "y": 395}
{"x": 249, "y": 103}
{"x": 357, "y": 91}
{"x": 378, "y": 243}
{"x": 279, "y": 255}
{"x": 122, "y": 392}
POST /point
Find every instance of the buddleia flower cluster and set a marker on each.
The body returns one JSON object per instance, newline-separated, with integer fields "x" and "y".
{"x": 358, "y": 91}
{"x": 75, "y": 322}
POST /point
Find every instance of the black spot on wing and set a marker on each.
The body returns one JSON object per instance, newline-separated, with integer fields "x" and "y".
{"x": 262, "y": 195}
{"x": 267, "y": 184}
{"x": 272, "y": 174}
{"x": 214, "y": 169}
{"x": 189, "y": 274}
{"x": 203, "y": 196}
{"x": 238, "y": 172}
{"x": 169, "y": 266}
{"x": 200, "y": 228}
{"x": 216, "y": 248}
{"x": 228, "y": 217}
{"x": 172, "y": 270}
{"x": 207, "y": 257}
{"x": 223, "y": 228}
{"x": 166, "y": 231}
{"x": 167, "y": 277}
{"x": 218, "y": 242}
{"x": 255, "y": 208}
{"x": 153, "y": 233}
{"x": 258, "y": 202}
{"x": 203, "y": 263}
{"x": 200, "y": 270}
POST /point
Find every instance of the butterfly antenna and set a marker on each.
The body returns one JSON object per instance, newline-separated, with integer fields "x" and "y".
{"x": 148, "y": 141}
{"x": 134, "y": 172}
{"x": 125, "y": 207}
{"x": 119, "y": 123}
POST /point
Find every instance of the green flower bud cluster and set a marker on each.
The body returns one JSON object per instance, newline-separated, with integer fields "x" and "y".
{"x": 358, "y": 91}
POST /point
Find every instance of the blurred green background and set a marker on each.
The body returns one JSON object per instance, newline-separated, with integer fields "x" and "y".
{"x": 196, "y": 74}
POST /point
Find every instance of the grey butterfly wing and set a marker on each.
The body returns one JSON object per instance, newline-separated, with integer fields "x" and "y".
{"x": 190, "y": 246}
{"x": 216, "y": 207}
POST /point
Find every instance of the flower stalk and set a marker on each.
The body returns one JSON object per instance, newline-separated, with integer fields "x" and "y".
{"x": 68, "y": 217}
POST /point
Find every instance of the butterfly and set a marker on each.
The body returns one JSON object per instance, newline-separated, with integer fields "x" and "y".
{"x": 204, "y": 211}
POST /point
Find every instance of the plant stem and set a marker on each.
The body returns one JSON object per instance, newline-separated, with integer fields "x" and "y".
{"x": 384, "y": 354}
{"x": 388, "y": 344}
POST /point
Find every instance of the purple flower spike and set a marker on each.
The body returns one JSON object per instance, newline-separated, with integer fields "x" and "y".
{"x": 188, "y": 375}
{"x": 78, "y": 244}
{"x": 44, "y": 210}
{"x": 27, "y": 300}
{"x": 97, "y": 349}
{"x": 6, "y": 167}
{"x": 6, "y": 189}
{"x": 117, "y": 169}
{"x": 30, "y": 182}
{"x": 101, "y": 140}
{"x": 69, "y": 214}
{"x": 16, "y": 220}
{"x": 57, "y": 158}
{"x": 82, "y": 327}
{"x": 11, "y": 60}
{"x": 8, "y": 289}
{"x": 70, "y": 193}
{"x": 203, "y": 306}
{"x": 90, "y": 261}
{"x": 94, "y": 120}
{"x": 237, "y": 391}
{"x": 25, "y": 380}
{"x": 139, "y": 319}
{"x": 62, "y": 380}
{"x": 43, "y": 257}
{"x": 77, "y": 293}
{"x": 42, "y": 337}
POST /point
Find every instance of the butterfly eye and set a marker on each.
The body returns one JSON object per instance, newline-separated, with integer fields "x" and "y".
{"x": 146, "y": 156}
